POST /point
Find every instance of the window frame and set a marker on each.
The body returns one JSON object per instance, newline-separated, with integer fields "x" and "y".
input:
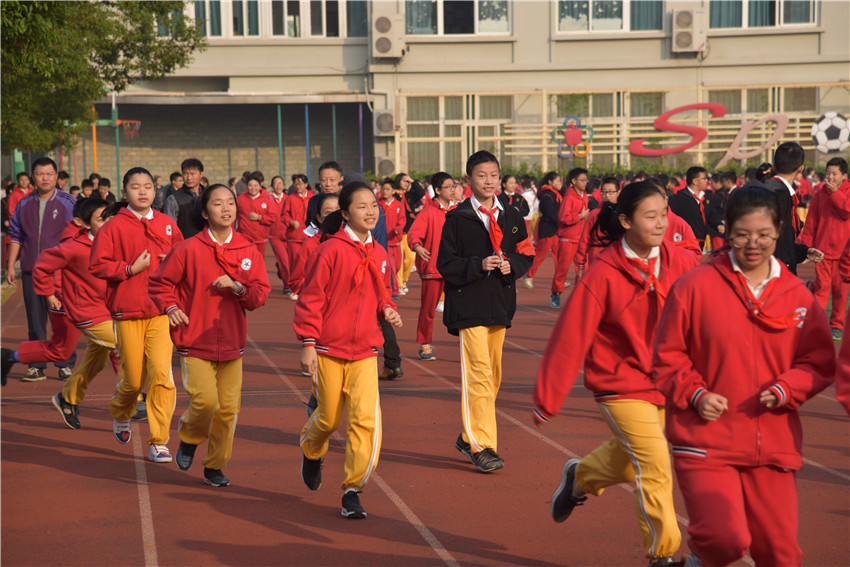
{"x": 590, "y": 32}
{"x": 475, "y": 23}
{"x": 780, "y": 19}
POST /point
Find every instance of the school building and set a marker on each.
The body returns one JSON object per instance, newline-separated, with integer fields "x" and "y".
{"x": 418, "y": 85}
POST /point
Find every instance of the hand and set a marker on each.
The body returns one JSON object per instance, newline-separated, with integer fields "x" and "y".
{"x": 583, "y": 214}
{"x": 294, "y": 224}
{"x": 141, "y": 263}
{"x": 177, "y": 317}
{"x": 53, "y": 302}
{"x": 422, "y": 253}
{"x": 831, "y": 187}
{"x": 814, "y": 255}
{"x": 712, "y": 406}
{"x": 10, "y": 274}
{"x": 225, "y": 282}
{"x": 721, "y": 228}
{"x": 490, "y": 263}
{"x": 505, "y": 267}
{"x": 309, "y": 359}
{"x": 768, "y": 398}
{"x": 253, "y": 216}
{"x": 392, "y": 317}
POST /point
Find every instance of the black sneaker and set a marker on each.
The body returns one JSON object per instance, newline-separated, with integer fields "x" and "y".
{"x": 563, "y": 500}
{"x": 185, "y": 456}
{"x": 69, "y": 412}
{"x": 351, "y": 507}
{"x": 667, "y": 562}
{"x": 34, "y": 375}
{"x": 214, "y": 477}
{"x": 65, "y": 373}
{"x": 141, "y": 413}
{"x": 464, "y": 448}
{"x": 6, "y": 360}
{"x": 836, "y": 333}
{"x": 555, "y": 301}
{"x": 390, "y": 373}
{"x": 311, "y": 472}
{"x": 487, "y": 461}
{"x": 312, "y": 404}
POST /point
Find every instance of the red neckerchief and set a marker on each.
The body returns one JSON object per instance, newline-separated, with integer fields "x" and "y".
{"x": 582, "y": 197}
{"x": 368, "y": 263}
{"x": 495, "y": 229}
{"x": 558, "y": 196}
{"x": 146, "y": 222}
{"x": 651, "y": 282}
{"x": 225, "y": 264}
{"x": 701, "y": 201}
{"x": 795, "y": 202}
{"x": 756, "y": 306}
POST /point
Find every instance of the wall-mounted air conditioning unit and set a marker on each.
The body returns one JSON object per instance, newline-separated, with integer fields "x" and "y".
{"x": 689, "y": 31}
{"x": 384, "y": 123}
{"x": 384, "y": 166}
{"x": 387, "y": 31}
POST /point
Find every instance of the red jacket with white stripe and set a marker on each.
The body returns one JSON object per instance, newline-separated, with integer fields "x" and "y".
{"x": 296, "y": 272}
{"x": 681, "y": 234}
{"x": 607, "y": 325}
{"x": 708, "y": 341}
{"x": 295, "y": 209}
{"x": 218, "y": 327}
{"x": 116, "y": 246}
{"x": 278, "y": 229}
{"x": 86, "y": 294}
{"x": 264, "y": 205}
{"x": 827, "y": 225}
{"x": 426, "y": 231}
{"x": 570, "y": 223}
{"x": 396, "y": 218}
{"x": 333, "y": 314}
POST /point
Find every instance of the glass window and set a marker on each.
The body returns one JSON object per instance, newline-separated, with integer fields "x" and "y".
{"x": 357, "y": 20}
{"x": 607, "y": 15}
{"x": 603, "y": 104}
{"x": 422, "y": 156}
{"x": 423, "y": 130}
{"x": 331, "y": 18}
{"x": 253, "y": 17}
{"x": 724, "y": 13}
{"x": 238, "y": 18}
{"x": 730, "y": 99}
{"x": 801, "y": 99}
{"x": 797, "y": 12}
{"x": 293, "y": 18}
{"x": 493, "y": 16}
{"x": 761, "y": 13}
{"x": 454, "y": 108}
{"x": 459, "y": 17}
{"x": 646, "y": 15}
{"x": 208, "y": 16}
{"x": 420, "y": 17}
{"x": 757, "y": 100}
{"x": 573, "y": 16}
{"x": 316, "y": 18}
{"x": 423, "y": 109}
{"x": 278, "y": 18}
{"x": 496, "y": 107}
{"x": 454, "y": 158}
{"x": 451, "y": 130}
{"x": 647, "y": 104}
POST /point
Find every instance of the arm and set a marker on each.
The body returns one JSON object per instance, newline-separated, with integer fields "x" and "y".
{"x": 523, "y": 256}
{"x": 548, "y": 207}
{"x": 171, "y": 208}
{"x": 103, "y": 262}
{"x": 840, "y": 202}
{"x": 842, "y": 376}
{"x": 523, "y": 206}
{"x": 416, "y": 234}
{"x": 457, "y": 269}
{"x": 844, "y": 263}
{"x": 309, "y": 309}
{"x": 583, "y": 244}
{"x": 48, "y": 262}
{"x": 256, "y": 289}
{"x": 163, "y": 282}
{"x": 271, "y": 215}
{"x": 399, "y": 225}
{"x": 570, "y": 212}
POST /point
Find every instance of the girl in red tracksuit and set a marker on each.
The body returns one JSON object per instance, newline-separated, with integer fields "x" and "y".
{"x": 734, "y": 378}
{"x": 608, "y": 325}
{"x": 326, "y": 204}
{"x": 424, "y": 239}
{"x": 586, "y": 252}
{"x": 395, "y": 217}
{"x": 295, "y": 217}
{"x": 550, "y": 198}
{"x": 571, "y": 220}
{"x": 346, "y": 287}
{"x": 205, "y": 285}
{"x": 277, "y": 234}
{"x": 257, "y": 213}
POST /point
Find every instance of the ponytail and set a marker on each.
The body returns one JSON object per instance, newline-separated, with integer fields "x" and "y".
{"x": 608, "y": 228}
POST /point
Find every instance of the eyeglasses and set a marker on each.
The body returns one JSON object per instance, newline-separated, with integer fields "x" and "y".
{"x": 610, "y": 192}
{"x": 762, "y": 241}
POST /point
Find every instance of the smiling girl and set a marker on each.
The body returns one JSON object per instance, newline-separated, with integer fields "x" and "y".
{"x": 607, "y": 326}
{"x": 257, "y": 213}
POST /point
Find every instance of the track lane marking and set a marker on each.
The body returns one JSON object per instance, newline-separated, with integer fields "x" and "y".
{"x": 145, "y": 513}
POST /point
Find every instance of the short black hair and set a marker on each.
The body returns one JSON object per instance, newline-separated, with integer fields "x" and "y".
{"x": 94, "y": 176}
{"x": 330, "y": 165}
{"x": 256, "y": 176}
{"x": 730, "y": 176}
{"x": 301, "y": 176}
{"x": 86, "y": 183}
{"x": 479, "y": 157}
{"x": 174, "y": 176}
{"x": 788, "y": 157}
{"x": 21, "y": 174}
{"x": 44, "y": 161}
{"x": 105, "y": 182}
{"x": 574, "y": 173}
{"x": 838, "y": 162}
{"x": 192, "y": 163}
{"x": 64, "y": 175}
{"x": 693, "y": 173}
{"x": 84, "y": 208}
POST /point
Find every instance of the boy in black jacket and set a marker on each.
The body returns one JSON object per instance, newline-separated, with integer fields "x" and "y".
{"x": 484, "y": 249}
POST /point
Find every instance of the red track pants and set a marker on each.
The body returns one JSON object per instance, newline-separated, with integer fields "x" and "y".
{"x": 281, "y": 256}
{"x": 566, "y": 255}
{"x": 59, "y": 348}
{"x": 431, "y": 290}
{"x": 541, "y": 250}
{"x": 829, "y": 280}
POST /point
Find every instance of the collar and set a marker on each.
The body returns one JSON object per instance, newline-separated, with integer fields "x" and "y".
{"x": 354, "y": 237}
{"x": 226, "y": 240}
{"x": 694, "y": 192}
{"x": 654, "y": 253}
{"x": 148, "y": 216}
{"x": 475, "y": 204}
{"x": 311, "y": 230}
{"x": 91, "y": 236}
{"x": 785, "y": 182}
{"x": 775, "y": 271}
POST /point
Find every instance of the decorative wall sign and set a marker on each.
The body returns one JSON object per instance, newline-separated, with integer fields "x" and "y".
{"x": 572, "y": 135}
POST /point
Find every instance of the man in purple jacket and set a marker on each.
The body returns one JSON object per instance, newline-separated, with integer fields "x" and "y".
{"x": 37, "y": 224}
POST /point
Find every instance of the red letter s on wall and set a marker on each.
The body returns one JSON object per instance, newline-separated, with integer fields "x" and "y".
{"x": 662, "y": 124}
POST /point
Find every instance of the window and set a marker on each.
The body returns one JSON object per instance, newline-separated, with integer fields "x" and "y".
{"x": 731, "y": 99}
{"x": 357, "y": 18}
{"x": 246, "y": 12}
{"x": 456, "y": 17}
{"x": 286, "y": 18}
{"x": 163, "y": 24}
{"x": 324, "y": 18}
{"x": 757, "y": 100}
{"x": 610, "y": 15}
{"x": 496, "y": 107}
{"x": 647, "y": 104}
{"x": 208, "y": 17}
{"x": 801, "y": 99}
{"x": 759, "y": 13}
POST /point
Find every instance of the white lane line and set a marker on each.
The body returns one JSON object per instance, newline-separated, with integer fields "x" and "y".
{"x": 825, "y": 468}
{"x": 399, "y": 503}
{"x": 145, "y": 514}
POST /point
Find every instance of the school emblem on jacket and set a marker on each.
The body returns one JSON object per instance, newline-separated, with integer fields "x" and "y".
{"x": 246, "y": 264}
{"x": 677, "y": 237}
{"x": 800, "y": 315}
{"x": 168, "y": 229}
{"x": 55, "y": 213}
{"x": 384, "y": 267}
{"x": 263, "y": 205}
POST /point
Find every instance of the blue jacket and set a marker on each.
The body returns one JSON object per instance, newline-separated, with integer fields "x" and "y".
{"x": 23, "y": 226}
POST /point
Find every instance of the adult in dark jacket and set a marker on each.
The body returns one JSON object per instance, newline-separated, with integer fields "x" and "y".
{"x": 690, "y": 203}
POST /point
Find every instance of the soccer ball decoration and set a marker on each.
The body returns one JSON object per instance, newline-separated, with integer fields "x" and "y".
{"x": 831, "y": 133}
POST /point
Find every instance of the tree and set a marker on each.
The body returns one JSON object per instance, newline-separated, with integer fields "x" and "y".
{"x": 59, "y": 58}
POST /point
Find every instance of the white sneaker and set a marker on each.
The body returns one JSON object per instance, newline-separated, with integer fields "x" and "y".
{"x": 121, "y": 430}
{"x": 159, "y": 454}
{"x": 293, "y": 296}
{"x": 440, "y": 307}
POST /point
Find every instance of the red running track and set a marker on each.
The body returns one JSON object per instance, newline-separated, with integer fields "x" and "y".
{"x": 80, "y": 498}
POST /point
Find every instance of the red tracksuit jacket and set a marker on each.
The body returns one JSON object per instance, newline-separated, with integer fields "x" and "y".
{"x": 608, "y": 325}
{"x": 586, "y": 251}
{"x": 217, "y": 328}
{"x": 570, "y": 223}
{"x": 708, "y": 341}
{"x": 426, "y": 231}
{"x": 116, "y": 246}
{"x": 394, "y": 212}
{"x": 264, "y": 205}
{"x": 295, "y": 209}
{"x": 333, "y": 313}
{"x": 278, "y": 229}
{"x": 827, "y": 225}
{"x": 296, "y": 273}
{"x": 86, "y": 305}
{"x": 681, "y": 234}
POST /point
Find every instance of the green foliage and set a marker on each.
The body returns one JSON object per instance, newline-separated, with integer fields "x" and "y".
{"x": 58, "y": 58}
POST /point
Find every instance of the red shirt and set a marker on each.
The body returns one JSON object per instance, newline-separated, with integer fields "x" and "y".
{"x": 15, "y": 197}
{"x": 681, "y": 234}
{"x": 116, "y": 246}
{"x": 264, "y": 205}
{"x": 570, "y": 223}
{"x": 296, "y": 273}
{"x": 217, "y": 328}
{"x": 586, "y": 251}
{"x": 827, "y": 225}
{"x": 708, "y": 341}
{"x": 295, "y": 209}
{"x": 394, "y": 211}
{"x": 426, "y": 231}
{"x": 278, "y": 229}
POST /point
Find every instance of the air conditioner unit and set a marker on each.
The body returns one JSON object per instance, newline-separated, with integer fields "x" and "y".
{"x": 385, "y": 166}
{"x": 387, "y": 31}
{"x": 384, "y": 123}
{"x": 689, "y": 31}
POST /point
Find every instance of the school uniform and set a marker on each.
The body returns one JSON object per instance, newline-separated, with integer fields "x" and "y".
{"x": 410, "y": 199}
{"x": 277, "y": 239}
{"x": 295, "y": 209}
{"x": 681, "y": 234}
{"x": 480, "y": 305}
{"x": 586, "y": 251}
{"x": 737, "y": 473}
{"x": 346, "y": 288}
{"x": 141, "y": 331}
{"x": 715, "y": 215}
{"x": 212, "y": 344}
{"x": 517, "y": 201}
{"x": 691, "y": 207}
{"x": 827, "y": 228}
{"x": 547, "y": 227}
{"x": 570, "y": 225}
{"x": 788, "y": 251}
{"x": 607, "y": 326}
{"x": 426, "y": 231}
{"x": 307, "y": 247}
{"x": 395, "y": 219}
{"x": 257, "y": 231}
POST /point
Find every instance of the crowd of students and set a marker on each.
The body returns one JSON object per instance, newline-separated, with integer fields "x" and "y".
{"x": 641, "y": 320}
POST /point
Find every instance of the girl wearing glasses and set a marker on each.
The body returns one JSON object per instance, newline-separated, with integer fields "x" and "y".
{"x": 734, "y": 378}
